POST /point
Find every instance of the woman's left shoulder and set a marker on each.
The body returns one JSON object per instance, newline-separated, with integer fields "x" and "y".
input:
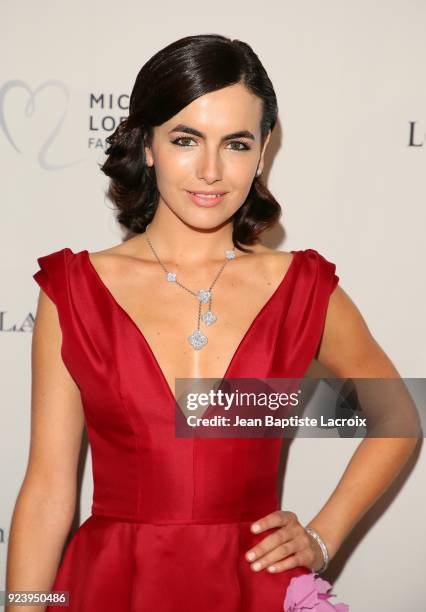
{"x": 275, "y": 261}
{"x": 308, "y": 252}
{"x": 274, "y": 254}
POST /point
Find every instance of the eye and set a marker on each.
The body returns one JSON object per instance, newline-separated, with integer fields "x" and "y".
{"x": 243, "y": 144}
{"x": 178, "y": 142}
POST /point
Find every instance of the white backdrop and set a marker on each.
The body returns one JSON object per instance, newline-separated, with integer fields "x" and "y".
{"x": 346, "y": 162}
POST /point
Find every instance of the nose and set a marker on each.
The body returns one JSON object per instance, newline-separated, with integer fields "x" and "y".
{"x": 210, "y": 167}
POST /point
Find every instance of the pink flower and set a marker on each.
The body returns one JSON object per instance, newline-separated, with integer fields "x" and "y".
{"x": 309, "y": 593}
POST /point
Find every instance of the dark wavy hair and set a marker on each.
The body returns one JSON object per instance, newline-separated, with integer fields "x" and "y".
{"x": 175, "y": 76}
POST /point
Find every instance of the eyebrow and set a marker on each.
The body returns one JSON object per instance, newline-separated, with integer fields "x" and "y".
{"x": 188, "y": 130}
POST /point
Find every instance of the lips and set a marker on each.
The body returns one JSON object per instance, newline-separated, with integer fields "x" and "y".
{"x": 208, "y": 193}
{"x": 206, "y": 199}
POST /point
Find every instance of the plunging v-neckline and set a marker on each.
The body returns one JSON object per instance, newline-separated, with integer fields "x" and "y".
{"x": 141, "y": 335}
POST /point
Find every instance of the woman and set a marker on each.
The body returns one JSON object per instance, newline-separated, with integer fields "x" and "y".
{"x": 115, "y": 328}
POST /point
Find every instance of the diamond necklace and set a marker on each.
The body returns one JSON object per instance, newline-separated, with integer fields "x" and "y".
{"x": 197, "y": 339}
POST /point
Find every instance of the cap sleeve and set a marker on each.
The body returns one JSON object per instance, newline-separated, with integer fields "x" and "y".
{"x": 42, "y": 278}
{"x": 326, "y": 273}
{"x": 323, "y": 272}
{"x": 51, "y": 273}
{"x": 307, "y": 310}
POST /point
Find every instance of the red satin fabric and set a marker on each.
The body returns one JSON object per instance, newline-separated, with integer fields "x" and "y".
{"x": 171, "y": 517}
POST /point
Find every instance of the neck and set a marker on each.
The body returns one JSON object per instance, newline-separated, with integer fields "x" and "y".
{"x": 181, "y": 244}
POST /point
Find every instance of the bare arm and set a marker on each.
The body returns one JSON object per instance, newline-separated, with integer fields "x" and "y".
{"x": 349, "y": 350}
{"x": 45, "y": 504}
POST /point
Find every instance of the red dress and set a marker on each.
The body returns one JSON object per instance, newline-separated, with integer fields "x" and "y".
{"x": 171, "y": 517}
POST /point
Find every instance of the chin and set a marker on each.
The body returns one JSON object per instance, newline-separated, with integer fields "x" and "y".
{"x": 205, "y": 220}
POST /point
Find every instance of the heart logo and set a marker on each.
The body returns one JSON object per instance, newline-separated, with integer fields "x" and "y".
{"x": 29, "y": 110}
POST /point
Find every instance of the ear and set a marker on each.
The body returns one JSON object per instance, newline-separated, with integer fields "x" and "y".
{"x": 148, "y": 155}
{"x": 262, "y": 155}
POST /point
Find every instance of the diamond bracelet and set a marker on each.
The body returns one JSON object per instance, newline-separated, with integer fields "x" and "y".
{"x": 323, "y": 547}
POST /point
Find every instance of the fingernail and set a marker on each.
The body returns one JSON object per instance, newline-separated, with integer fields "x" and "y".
{"x": 256, "y": 566}
{"x": 251, "y": 556}
{"x": 272, "y": 568}
{"x": 255, "y": 527}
